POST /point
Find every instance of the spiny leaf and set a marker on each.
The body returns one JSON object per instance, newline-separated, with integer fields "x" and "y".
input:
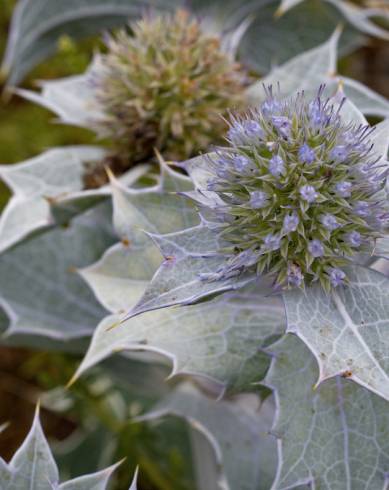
{"x": 180, "y": 279}
{"x": 36, "y": 28}
{"x": 33, "y": 467}
{"x": 49, "y": 190}
{"x": 33, "y": 464}
{"x": 331, "y": 437}
{"x": 156, "y": 209}
{"x": 356, "y": 15}
{"x": 36, "y": 183}
{"x": 319, "y": 66}
{"x": 245, "y": 452}
{"x": 367, "y": 101}
{"x": 272, "y": 40}
{"x": 39, "y": 287}
{"x": 221, "y": 339}
{"x": 94, "y": 481}
{"x": 120, "y": 277}
{"x": 70, "y": 98}
{"x": 346, "y": 330}
{"x": 160, "y": 210}
{"x": 360, "y": 17}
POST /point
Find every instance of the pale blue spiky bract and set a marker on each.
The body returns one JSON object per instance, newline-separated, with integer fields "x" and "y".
{"x": 299, "y": 191}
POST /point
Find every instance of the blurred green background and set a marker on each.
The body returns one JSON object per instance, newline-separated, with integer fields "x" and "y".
{"x": 27, "y": 129}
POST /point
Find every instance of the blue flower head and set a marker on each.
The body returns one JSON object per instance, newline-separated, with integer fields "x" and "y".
{"x": 302, "y": 192}
{"x": 354, "y": 239}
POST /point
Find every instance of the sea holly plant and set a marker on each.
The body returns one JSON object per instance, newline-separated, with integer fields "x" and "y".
{"x": 270, "y": 239}
{"x": 222, "y": 245}
{"x": 33, "y": 466}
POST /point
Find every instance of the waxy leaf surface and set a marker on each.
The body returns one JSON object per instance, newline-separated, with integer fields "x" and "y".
{"x": 40, "y": 289}
{"x": 180, "y": 279}
{"x": 346, "y": 330}
{"x": 37, "y": 184}
{"x": 319, "y": 66}
{"x": 33, "y": 467}
{"x": 334, "y": 437}
{"x": 244, "y": 450}
{"x": 222, "y": 339}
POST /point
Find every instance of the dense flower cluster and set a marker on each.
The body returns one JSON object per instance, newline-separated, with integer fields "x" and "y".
{"x": 298, "y": 192}
{"x": 165, "y": 86}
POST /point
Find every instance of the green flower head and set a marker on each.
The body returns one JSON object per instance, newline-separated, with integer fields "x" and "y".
{"x": 165, "y": 86}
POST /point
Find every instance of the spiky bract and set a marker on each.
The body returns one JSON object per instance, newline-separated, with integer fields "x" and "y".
{"x": 166, "y": 86}
{"x": 299, "y": 192}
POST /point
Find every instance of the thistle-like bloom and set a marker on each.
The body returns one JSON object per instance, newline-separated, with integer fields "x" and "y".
{"x": 166, "y": 85}
{"x": 301, "y": 192}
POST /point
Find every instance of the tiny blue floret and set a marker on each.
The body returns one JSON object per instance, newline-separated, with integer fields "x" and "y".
{"x": 306, "y": 154}
{"x": 241, "y": 163}
{"x": 337, "y": 277}
{"x": 276, "y": 166}
{"x": 272, "y": 242}
{"x": 295, "y": 276}
{"x": 308, "y": 193}
{"x": 343, "y": 189}
{"x": 258, "y": 199}
{"x": 316, "y": 248}
{"x": 354, "y": 239}
{"x": 362, "y": 208}
{"x": 291, "y": 222}
{"x": 253, "y": 129}
{"x": 339, "y": 153}
{"x": 283, "y": 125}
{"x": 329, "y": 222}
